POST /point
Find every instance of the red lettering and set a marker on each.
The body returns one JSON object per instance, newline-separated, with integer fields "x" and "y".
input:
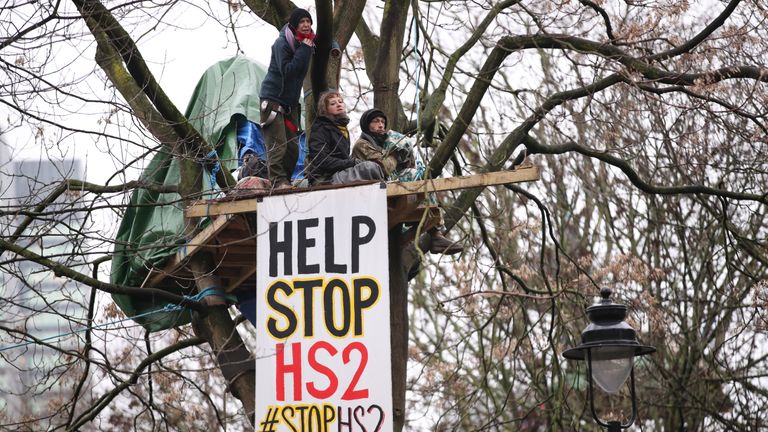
{"x": 294, "y": 368}
{"x": 317, "y": 366}
{"x": 351, "y": 393}
{"x": 281, "y": 369}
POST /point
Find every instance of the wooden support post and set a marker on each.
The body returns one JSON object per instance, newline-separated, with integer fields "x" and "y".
{"x": 398, "y": 310}
{"x": 216, "y": 327}
{"x": 235, "y": 361}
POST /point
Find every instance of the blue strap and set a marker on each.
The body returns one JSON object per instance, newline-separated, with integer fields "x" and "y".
{"x": 216, "y": 167}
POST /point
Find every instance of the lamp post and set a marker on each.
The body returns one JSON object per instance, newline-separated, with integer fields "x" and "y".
{"x": 609, "y": 346}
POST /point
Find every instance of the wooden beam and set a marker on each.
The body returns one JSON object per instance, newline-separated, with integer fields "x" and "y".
{"x": 530, "y": 173}
{"x": 522, "y": 174}
{"x": 203, "y": 208}
{"x": 155, "y": 276}
{"x": 236, "y": 283}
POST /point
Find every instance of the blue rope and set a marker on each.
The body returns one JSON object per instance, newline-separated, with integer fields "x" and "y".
{"x": 210, "y": 291}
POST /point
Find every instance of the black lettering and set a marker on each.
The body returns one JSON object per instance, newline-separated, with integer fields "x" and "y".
{"x": 276, "y": 247}
{"x": 305, "y": 243}
{"x": 328, "y": 305}
{"x": 313, "y": 418}
{"x": 342, "y": 423}
{"x": 282, "y": 309}
{"x": 363, "y": 303}
{"x": 357, "y": 419}
{"x": 303, "y": 420}
{"x": 309, "y": 295}
{"x": 358, "y": 241}
{"x": 330, "y": 250}
{"x": 288, "y": 421}
{"x": 329, "y": 415}
{"x": 381, "y": 416}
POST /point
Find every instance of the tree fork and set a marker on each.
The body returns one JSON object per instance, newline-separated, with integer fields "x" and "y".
{"x": 115, "y": 47}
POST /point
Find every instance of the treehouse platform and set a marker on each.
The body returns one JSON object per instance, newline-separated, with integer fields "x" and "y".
{"x": 231, "y": 235}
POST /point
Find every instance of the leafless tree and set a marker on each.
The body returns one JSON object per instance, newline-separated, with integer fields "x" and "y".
{"x": 647, "y": 120}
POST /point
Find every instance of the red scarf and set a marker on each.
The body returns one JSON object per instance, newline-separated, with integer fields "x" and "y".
{"x": 300, "y": 37}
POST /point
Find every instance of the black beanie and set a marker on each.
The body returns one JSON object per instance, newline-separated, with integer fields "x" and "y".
{"x": 367, "y": 118}
{"x": 296, "y": 16}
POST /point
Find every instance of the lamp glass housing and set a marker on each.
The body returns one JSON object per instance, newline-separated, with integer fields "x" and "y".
{"x": 611, "y": 366}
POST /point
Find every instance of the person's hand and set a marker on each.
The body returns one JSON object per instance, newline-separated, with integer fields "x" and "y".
{"x": 308, "y": 42}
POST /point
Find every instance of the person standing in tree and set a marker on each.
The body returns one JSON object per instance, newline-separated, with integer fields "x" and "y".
{"x": 280, "y": 91}
{"x": 329, "y": 146}
{"x": 399, "y": 162}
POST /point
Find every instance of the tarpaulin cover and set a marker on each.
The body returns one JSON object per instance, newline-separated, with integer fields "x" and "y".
{"x": 153, "y": 225}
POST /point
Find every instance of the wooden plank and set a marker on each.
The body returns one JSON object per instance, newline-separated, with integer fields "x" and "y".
{"x": 241, "y": 226}
{"x": 235, "y": 285}
{"x": 225, "y": 207}
{"x": 232, "y": 239}
{"x": 229, "y": 272}
{"x": 239, "y": 259}
{"x": 522, "y": 174}
{"x": 401, "y": 207}
{"x": 228, "y": 239}
{"x": 415, "y": 215}
{"x": 530, "y": 173}
{"x": 187, "y": 250}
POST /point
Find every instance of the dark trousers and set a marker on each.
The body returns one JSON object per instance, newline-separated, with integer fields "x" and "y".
{"x": 282, "y": 143}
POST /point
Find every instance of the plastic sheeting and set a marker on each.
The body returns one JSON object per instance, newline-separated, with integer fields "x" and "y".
{"x": 152, "y": 228}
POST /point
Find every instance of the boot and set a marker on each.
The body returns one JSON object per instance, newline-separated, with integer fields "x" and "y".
{"x": 280, "y": 184}
{"x": 440, "y": 244}
{"x": 425, "y": 242}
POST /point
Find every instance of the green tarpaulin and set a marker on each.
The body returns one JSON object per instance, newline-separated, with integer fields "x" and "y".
{"x": 153, "y": 225}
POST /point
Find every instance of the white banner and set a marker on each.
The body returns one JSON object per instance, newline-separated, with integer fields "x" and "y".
{"x": 323, "y": 348}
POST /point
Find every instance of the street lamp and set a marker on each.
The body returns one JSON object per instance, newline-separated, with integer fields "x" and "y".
{"x": 609, "y": 346}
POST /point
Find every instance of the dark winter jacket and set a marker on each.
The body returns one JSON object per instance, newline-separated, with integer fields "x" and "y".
{"x": 287, "y": 69}
{"x": 328, "y": 151}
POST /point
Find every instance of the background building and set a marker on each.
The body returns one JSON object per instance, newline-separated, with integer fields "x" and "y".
{"x": 36, "y": 378}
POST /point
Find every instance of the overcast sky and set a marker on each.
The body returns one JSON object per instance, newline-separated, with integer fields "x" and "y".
{"x": 177, "y": 58}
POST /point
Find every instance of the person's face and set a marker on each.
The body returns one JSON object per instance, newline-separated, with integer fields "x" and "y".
{"x": 377, "y": 125}
{"x": 336, "y": 106}
{"x": 305, "y": 25}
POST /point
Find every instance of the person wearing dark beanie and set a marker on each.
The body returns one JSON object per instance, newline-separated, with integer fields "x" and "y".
{"x": 375, "y": 145}
{"x": 280, "y": 93}
{"x": 296, "y": 16}
{"x": 370, "y": 145}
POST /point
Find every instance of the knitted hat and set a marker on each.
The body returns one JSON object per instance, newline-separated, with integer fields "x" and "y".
{"x": 367, "y": 118}
{"x": 296, "y": 16}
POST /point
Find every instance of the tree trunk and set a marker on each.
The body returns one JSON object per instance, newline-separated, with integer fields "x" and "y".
{"x": 386, "y": 76}
{"x": 234, "y": 360}
{"x": 398, "y": 310}
{"x": 216, "y": 327}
